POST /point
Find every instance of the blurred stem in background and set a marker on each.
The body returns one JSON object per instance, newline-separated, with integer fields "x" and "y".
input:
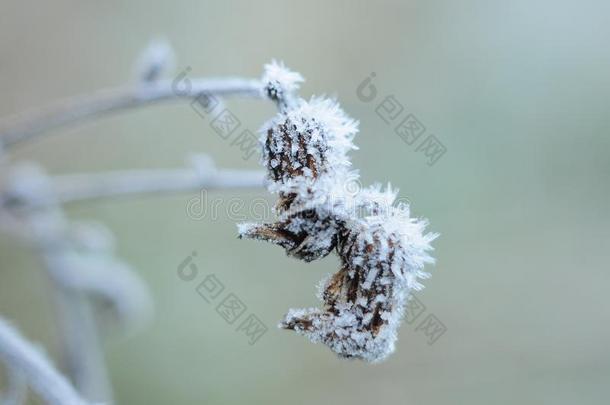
{"x": 80, "y": 261}
{"x": 20, "y": 129}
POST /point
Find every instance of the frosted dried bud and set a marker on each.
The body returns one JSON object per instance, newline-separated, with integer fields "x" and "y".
{"x": 305, "y": 151}
{"x": 308, "y": 140}
{"x": 381, "y": 261}
{"x": 279, "y": 83}
{"x": 382, "y": 249}
{"x": 307, "y": 235}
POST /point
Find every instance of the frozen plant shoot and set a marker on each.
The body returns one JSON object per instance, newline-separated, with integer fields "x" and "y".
{"x": 382, "y": 249}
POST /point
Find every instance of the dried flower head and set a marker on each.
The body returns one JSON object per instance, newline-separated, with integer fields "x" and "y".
{"x": 382, "y": 249}
{"x": 305, "y": 151}
{"x": 382, "y": 258}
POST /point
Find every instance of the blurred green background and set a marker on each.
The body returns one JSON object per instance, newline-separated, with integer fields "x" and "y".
{"x": 517, "y": 92}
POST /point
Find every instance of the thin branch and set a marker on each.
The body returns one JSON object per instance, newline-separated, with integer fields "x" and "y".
{"x": 71, "y": 111}
{"x": 78, "y": 187}
{"x": 101, "y": 275}
{"x": 81, "y": 348}
{"x": 82, "y": 351}
{"x": 29, "y": 185}
{"x": 40, "y": 375}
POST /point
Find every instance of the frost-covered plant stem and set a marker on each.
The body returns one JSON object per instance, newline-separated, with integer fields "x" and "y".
{"x": 20, "y": 129}
{"x": 82, "y": 352}
{"x": 130, "y": 183}
{"x": 49, "y": 232}
{"x": 21, "y": 356}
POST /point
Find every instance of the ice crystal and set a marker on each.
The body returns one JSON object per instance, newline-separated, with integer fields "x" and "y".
{"x": 381, "y": 248}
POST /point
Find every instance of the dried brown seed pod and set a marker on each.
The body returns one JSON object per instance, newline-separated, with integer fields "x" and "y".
{"x": 382, "y": 249}
{"x": 304, "y": 150}
{"x": 306, "y": 235}
{"x": 364, "y": 301}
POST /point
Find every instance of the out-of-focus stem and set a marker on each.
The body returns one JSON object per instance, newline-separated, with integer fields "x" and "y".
{"x": 78, "y": 187}
{"x": 104, "y": 102}
{"x": 82, "y": 350}
{"x": 41, "y": 376}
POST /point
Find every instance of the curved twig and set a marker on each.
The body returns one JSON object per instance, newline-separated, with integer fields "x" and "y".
{"x": 40, "y": 375}
{"x": 70, "y": 111}
{"x": 78, "y": 187}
